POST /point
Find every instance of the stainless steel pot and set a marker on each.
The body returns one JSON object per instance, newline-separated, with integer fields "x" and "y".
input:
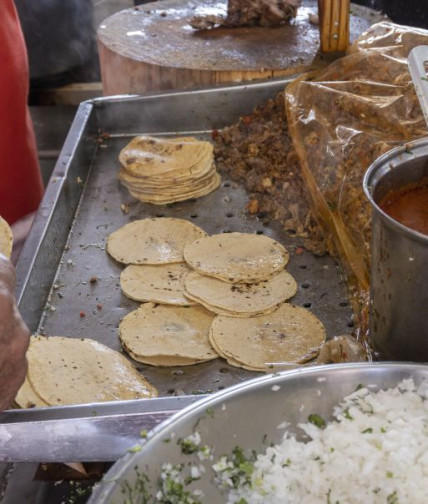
{"x": 399, "y": 261}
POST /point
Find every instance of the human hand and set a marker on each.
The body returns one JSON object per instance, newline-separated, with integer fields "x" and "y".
{"x": 14, "y": 337}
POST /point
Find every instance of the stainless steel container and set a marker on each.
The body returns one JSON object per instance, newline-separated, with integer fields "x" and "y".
{"x": 399, "y": 261}
{"x": 248, "y": 415}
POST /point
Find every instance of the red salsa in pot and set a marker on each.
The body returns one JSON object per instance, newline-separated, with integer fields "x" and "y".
{"x": 409, "y": 206}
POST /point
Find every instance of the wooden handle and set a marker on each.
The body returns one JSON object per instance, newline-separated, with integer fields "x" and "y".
{"x": 334, "y": 24}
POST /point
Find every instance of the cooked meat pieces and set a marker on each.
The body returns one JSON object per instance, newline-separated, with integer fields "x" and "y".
{"x": 250, "y": 13}
{"x": 261, "y": 12}
{"x": 258, "y": 153}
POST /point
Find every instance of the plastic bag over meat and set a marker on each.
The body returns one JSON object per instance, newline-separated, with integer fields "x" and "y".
{"x": 341, "y": 120}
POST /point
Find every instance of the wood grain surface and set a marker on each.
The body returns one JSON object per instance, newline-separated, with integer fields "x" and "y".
{"x": 153, "y": 47}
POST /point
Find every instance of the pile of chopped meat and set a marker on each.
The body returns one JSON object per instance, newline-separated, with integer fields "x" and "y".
{"x": 250, "y": 13}
{"x": 258, "y": 153}
{"x": 261, "y": 12}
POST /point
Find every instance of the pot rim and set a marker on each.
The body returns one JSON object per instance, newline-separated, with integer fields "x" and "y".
{"x": 386, "y": 163}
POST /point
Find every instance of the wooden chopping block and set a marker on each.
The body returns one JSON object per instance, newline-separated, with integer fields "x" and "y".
{"x": 153, "y": 47}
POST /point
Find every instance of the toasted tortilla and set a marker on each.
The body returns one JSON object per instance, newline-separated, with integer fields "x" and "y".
{"x": 27, "y": 397}
{"x": 163, "y": 170}
{"x": 161, "y": 283}
{"x": 77, "y": 371}
{"x": 6, "y": 238}
{"x": 237, "y": 257}
{"x": 164, "y": 360}
{"x": 177, "y": 334}
{"x": 147, "y": 155}
{"x": 187, "y": 170}
{"x": 240, "y": 300}
{"x": 152, "y": 241}
{"x": 289, "y": 335}
{"x": 163, "y": 198}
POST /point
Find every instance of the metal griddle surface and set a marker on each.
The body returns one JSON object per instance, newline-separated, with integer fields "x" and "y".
{"x": 80, "y": 307}
{"x": 84, "y": 203}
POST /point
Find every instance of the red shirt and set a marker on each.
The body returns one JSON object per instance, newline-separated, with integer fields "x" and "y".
{"x": 21, "y": 185}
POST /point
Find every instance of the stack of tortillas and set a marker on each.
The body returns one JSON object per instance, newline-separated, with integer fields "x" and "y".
{"x": 168, "y": 335}
{"x": 289, "y": 336}
{"x": 158, "y": 240}
{"x": 163, "y": 171}
{"x": 221, "y": 286}
{"x": 6, "y": 238}
{"x": 238, "y": 274}
{"x": 77, "y": 371}
{"x": 176, "y": 333}
{"x": 242, "y": 278}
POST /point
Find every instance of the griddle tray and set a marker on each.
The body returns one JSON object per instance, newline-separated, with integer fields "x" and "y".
{"x": 69, "y": 286}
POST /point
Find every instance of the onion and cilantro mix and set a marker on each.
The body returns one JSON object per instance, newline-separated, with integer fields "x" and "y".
{"x": 375, "y": 450}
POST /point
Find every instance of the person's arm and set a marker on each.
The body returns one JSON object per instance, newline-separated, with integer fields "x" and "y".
{"x": 14, "y": 337}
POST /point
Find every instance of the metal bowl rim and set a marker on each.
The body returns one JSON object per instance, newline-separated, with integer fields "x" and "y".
{"x": 124, "y": 464}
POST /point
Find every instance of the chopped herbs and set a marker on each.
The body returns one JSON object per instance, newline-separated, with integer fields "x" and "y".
{"x": 173, "y": 487}
{"x": 326, "y": 457}
{"x": 190, "y": 444}
{"x": 347, "y": 415}
{"x": 135, "y": 449}
{"x": 393, "y": 498}
{"x": 235, "y": 470}
{"x": 139, "y": 493}
{"x": 209, "y": 412}
{"x": 316, "y": 420}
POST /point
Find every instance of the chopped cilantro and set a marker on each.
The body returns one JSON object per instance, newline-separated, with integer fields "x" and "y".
{"x": 316, "y": 420}
{"x": 347, "y": 415}
{"x": 392, "y": 498}
{"x": 137, "y": 494}
{"x": 210, "y": 412}
{"x": 187, "y": 446}
{"x": 286, "y": 463}
{"x": 135, "y": 449}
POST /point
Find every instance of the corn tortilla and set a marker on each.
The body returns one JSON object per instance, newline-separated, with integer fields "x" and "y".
{"x": 162, "y": 171}
{"x": 147, "y": 155}
{"x": 189, "y": 170}
{"x": 164, "y": 360}
{"x": 237, "y": 257}
{"x": 240, "y": 300}
{"x": 152, "y": 241}
{"x": 27, "y": 397}
{"x": 161, "y": 283}
{"x": 77, "y": 371}
{"x": 289, "y": 335}
{"x": 6, "y": 238}
{"x": 164, "y": 199}
{"x": 174, "y": 332}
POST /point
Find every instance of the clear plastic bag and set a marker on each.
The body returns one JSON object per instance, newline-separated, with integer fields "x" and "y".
{"x": 341, "y": 120}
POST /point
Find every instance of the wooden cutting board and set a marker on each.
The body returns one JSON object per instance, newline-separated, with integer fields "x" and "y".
{"x": 152, "y": 47}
